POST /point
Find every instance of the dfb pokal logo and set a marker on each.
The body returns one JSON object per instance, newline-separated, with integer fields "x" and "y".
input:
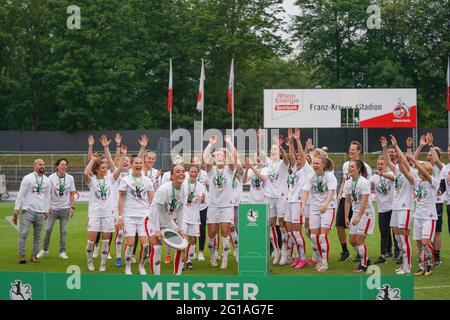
{"x": 252, "y": 216}
{"x": 20, "y": 291}
{"x": 388, "y": 293}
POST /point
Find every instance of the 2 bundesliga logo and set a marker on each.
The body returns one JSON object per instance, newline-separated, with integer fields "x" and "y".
{"x": 20, "y": 291}
{"x": 388, "y": 293}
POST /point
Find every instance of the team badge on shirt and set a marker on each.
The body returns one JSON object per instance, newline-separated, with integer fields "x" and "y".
{"x": 137, "y": 192}
{"x": 355, "y": 195}
{"x": 320, "y": 186}
{"x": 102, "y": 192}
{"x": 273, "y": 175}
{"x": 420, "y": 192}
{"x": 191, "y": 197}
{"x": 398, "y": 182}
{"x": 257, "y": 183}
{"x": 220, "y": 181}
{"x": 38, "y": 189}
{"x": 383, "y": 188}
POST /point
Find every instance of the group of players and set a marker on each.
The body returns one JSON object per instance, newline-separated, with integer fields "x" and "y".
{"x": 130, "y": 197}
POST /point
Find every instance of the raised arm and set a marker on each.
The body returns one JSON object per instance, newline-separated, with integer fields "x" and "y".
{"x": 91, "y": 142}
{"x": 400, "y": 153}
{"x": 207, "y": 157}
{"x": 422, "y": 144}
{"x": 259, "y": 137}
{"x": 256, "y": 171}
{"x": 105, "y": 143}
{"x": 119, "y": 168}
{"x": 433, "y": 152}
{"x": 233, "y": 152}
{"x": 409, "y": 145}
{"x": 292, "y": 156}
{"x": 405, "y": 170}
{"x": 143, "y": 142}
{"x": 88, "y": 169}
{"x": 309, "y": 145}
{"x": 389, "y": 163}
{"x": 284, "y": 156}
{"x": 420, "y": 168}
{"x": 301, "y": 152}
{"x": 118, "y": 141}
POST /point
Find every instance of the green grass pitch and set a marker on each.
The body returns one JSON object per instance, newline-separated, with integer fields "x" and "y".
{"x": 436, "y": 286}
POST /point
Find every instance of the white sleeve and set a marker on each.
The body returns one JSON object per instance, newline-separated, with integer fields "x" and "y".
{"x": 346, "y": 187}
{"x": 24, "y": 185}
{"x": 331, "y": 182}
{"x": 365, "y": 188}
{"x": 369, "y": 171}
{"x": 435, "y": 183}
{"x": 160, "y": 195}
{"x": 73, "y": 187}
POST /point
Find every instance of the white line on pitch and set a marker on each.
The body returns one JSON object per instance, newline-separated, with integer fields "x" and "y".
{"x": 9, "y": 219}
{"x": 432, "y": 287}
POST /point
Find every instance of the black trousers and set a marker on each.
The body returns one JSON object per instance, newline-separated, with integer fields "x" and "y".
{"x": 202, "y": 239}
{"x": 384, "y": 220}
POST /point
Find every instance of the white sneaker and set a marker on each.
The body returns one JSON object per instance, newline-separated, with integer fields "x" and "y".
{"x": 276, "y": 258}
{"x": 224, "y": 263}
{"x": 401, "y": 271}
{"x": 142, "y": 270}
{"x": 128, "y": 271}
{"x": 109, "y": 257}
{"x": 201, "y": 257}
{"x": 63, "y": 255}
{"x": 95, "y": 254}
{"x": 91, "y": 267}
{"x": 42, "y": 253}
{"x": 102, "y": 269}
{"x": 283, "y": 260}
{"x": 214, "y": 262}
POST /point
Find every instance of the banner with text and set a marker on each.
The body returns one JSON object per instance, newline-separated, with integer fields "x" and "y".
{"x": 69, "y": 286}
{"x": 340, "y": 108}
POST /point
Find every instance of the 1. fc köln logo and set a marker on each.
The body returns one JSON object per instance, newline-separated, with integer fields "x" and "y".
{"x": 401, "y": 110}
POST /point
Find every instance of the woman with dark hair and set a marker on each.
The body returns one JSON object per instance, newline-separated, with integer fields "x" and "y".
{"x": 135, "y": 196}
{"x": 203, "y": 179}
{"x": 321, "y": 186}
{"x": 101, "y": 207}
{"x": 62, "y": 199}
{"x": 357, "y": 191}
{"x": 166, "y": 206}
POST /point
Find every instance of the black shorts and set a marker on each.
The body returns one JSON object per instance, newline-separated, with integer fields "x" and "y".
{"x": 439, "y": 207}
{"x": 340, "y": 217}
